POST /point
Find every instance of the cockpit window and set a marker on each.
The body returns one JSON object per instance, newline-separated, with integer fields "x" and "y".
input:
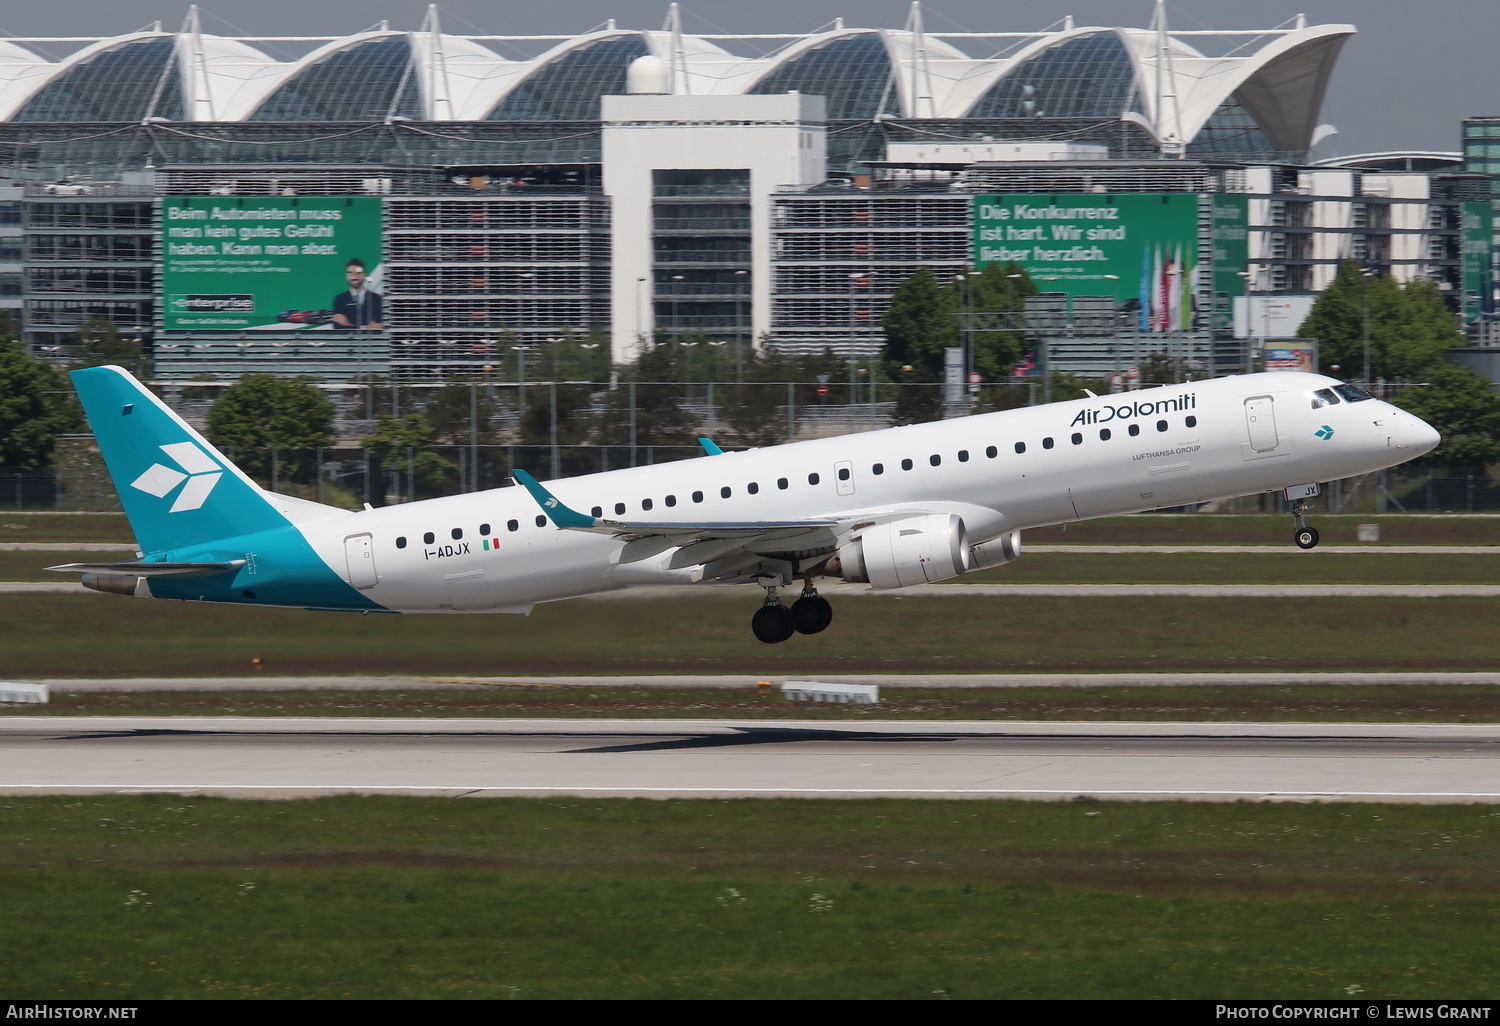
{"x": 1351, "y": 393}
{"x": 1324, "y": 397}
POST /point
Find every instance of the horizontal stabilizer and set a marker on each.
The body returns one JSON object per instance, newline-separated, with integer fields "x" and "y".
{"x": 137, "y": 568}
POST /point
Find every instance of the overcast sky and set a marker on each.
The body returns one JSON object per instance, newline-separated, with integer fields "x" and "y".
{"x": 1413, "y": 71}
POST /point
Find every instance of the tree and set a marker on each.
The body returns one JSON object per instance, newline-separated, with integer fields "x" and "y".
{"x": 98, "y": 344}
{"x": 919, "y": 324}
{"x": 999, "y": 290}
{"x": 402, "y": 447}
{"x": 1408, "y": 327}
{"x": 755, "y": 410}
{"x": 456, "y": 405}
{"x": 1461, "y": 404}
{"x": 35, "y": 407}
{"x": 661, "y": 417}
{"x": 264, "y": 412}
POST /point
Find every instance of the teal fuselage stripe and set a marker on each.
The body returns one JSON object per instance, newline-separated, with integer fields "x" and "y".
{"x": 281, "y": 569}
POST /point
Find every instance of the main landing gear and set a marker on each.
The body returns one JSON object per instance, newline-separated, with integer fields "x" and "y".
{"x": 774, "y": 623}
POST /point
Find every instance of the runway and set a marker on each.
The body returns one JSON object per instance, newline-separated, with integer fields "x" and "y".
{"x": 286, "y": 758}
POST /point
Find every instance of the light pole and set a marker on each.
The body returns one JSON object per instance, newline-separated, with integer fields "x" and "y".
{"x": 520, "y": 352}
{"x": 739, "y": 356}
{"x": 1367, "y": 272}
{"x": 676, "y": 329}
{"x": 589, "y": 347}
{"x": 639, "y": 308}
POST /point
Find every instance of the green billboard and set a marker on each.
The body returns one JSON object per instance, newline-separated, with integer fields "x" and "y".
{"x": 1477, "y": 241}
{"x": 1141, "y": 249}
{"x": 271, "y": 263}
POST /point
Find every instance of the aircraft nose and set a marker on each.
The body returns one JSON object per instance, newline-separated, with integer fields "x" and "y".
{"x": 1417, "y": 435}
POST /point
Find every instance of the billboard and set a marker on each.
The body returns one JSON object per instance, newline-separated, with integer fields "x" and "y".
{"x": 1477, "y": 240}
{"x": 1140, "y": 249}
{"x": 271, "y": 263}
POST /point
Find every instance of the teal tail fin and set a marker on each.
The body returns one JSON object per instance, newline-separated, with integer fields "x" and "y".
{"x": 177, "y": 489}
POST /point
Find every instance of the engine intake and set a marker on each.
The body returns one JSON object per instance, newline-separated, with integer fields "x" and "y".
{"x": 996, "y": 551}
{"x": 918, "y": 550}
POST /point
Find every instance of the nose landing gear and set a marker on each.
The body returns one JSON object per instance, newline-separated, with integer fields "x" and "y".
{"x": 1305, "y": 537}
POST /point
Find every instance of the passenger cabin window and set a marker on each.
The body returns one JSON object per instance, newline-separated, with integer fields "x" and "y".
{"x": 1135, "y": 429}
{"x": 428, "y": 538}
{"x": 1351, "y": 394}
{"x": 1161, "y": 425}
{"x": 992, "y": 452}
{"x": 724, "y": 492}
{"x": 813, "y": 479}
{"x": 843, "y": 473}
{"x": 671, "y": 500}
{"x": 1191, "y": 422}
{"x": 458, "y": 533}
{"x": 783, "y": 483}
{"x": 753, "y": 488}
{"x": 646, "y": 504}
{"x": 934, "y": 459}
{"x": 597, "y": 512}
{"x": 1104, "y": 434}
{"x": 963, "y": 455}
{"x": 906, "y": 464}
{"x": 1046, "y": 443}
{"x": 1077, "y": 438}
{"x": 541, "y": 520}
{"x": 1020, "y": 447}
{"x": 512, "y": 525}
{"x": 400, "y": 543}
{"x": 619, "y": 509}
{"x": 878, "y": 469}
{"x": 697, "y": 496}
{"x": 484, "y": 529}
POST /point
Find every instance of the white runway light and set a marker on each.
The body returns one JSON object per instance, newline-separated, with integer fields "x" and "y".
{"x": 816, "y": 691}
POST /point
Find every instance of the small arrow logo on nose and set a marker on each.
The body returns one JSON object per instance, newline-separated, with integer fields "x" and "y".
{"x": 1325, "y": 432}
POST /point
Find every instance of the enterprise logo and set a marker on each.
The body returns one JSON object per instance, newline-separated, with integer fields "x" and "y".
{"x": 223, "y": 303}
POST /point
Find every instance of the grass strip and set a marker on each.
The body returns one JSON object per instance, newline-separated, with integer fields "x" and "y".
{"x": 60, "y": 635}
{"x": 141, "y": 897}
{"x": 1310, "y": 703}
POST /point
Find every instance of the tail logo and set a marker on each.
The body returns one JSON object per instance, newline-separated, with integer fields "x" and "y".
{"x": 202, "y": 474}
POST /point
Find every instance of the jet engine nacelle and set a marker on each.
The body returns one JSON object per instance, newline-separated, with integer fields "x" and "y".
{"x": 996, "y": 551}
{"x": 918, "y": 550}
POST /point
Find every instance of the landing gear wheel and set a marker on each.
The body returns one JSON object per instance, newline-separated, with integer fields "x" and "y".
{"x": 1305, "y": 537}
{"x": 811, "y": 614}
{"x": 772, "y": 624}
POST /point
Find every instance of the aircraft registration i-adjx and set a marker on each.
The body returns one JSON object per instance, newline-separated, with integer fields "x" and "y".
{"x": 895, "y": 507}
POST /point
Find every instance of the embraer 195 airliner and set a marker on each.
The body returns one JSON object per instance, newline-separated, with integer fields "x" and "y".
{"x": 896, "y": 507}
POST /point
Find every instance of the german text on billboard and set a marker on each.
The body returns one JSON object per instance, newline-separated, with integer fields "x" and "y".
{"x": 270, "y": 263}
{"x": 1140, "y": 249}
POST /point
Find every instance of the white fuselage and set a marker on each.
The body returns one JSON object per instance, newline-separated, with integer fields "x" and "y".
{"x": 1194, "y": 442}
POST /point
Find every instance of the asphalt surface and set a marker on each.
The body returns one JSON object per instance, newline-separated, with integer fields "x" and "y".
{"x": 286, "y": 758}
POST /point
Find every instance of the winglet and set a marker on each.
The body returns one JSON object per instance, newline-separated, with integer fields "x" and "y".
{"x": 560, "y": 515}
{"x": 709, "y": 447}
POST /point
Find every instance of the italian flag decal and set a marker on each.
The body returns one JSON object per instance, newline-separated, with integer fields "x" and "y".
{"x": 491, "y": 543}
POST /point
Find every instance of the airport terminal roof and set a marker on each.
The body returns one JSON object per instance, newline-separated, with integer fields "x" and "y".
{"x": 1170, "y": 83}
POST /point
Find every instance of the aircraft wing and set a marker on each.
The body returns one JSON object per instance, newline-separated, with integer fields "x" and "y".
{"x": 700, "y": 541}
